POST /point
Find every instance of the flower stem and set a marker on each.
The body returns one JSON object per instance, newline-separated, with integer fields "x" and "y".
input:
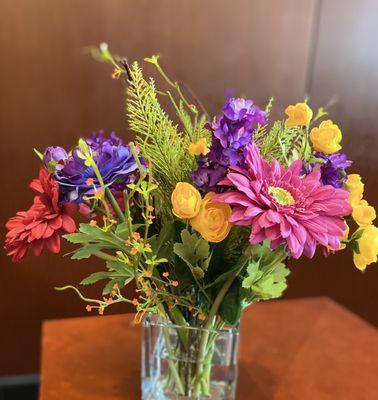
{"x": 114, "y": 205}
{"x": 171, "y": 363}
{"x": 207, "y": 327}
{"x": 104, "y": 256}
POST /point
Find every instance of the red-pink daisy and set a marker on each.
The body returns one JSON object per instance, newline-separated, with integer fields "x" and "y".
{"x": 43, "y": 223}
{"x": 281, "y": 205}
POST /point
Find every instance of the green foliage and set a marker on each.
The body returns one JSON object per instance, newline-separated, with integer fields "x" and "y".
{"x": 93, "y": 239}
{"x": 195, "y": 252}
{"x": 157, "y": 136}
{"x": 353, "y": 242}
{"x": 236, "y": 242}
{"x": 122, "y": 230}
{"x": 231, "y": 307}
{"x": 284, "y": 143}
{"x": 119, "y": 273}
{"x": 88, "y": 251}
{"x": 98, "y": 276}
{"x": 322, "y": 112}
{"x": 161, "y": 141}
{"x": 162, "y": 244}
{"x": 266, "y": 274}
{"x": 223, "y": 276}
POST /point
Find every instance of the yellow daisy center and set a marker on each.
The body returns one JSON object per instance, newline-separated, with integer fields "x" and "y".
{"x": 282, "y": 196}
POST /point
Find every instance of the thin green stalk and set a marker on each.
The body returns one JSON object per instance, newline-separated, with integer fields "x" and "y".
{"x": 175, "y": 85}
{"x": 177, "y": 317}
{"x": 114, "y": 204}
{"x": 121, "y": 299}
{"x": 102, "y": 184}
{"x": 171, "y": 364}
{"x": 209, "y": 322}
{"x": 127, "y": 212}
{"x": 104, "y": 256}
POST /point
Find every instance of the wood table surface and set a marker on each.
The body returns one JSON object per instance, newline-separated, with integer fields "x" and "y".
{"x": 290, "y": 349}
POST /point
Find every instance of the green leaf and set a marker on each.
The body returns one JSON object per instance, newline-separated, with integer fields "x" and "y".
{"x": 194, "y": 251}
{"x": 266, "y": 274}
{"x": 122, "y": 230}
{"x": 95, "y": 277}
{"x": 241, "y": 262}
{"x": 316, "y": 160}
{"x": 120, "y": 281}
{"x": 193, "y": 248}
{"x": 95, "y": 234}
{"x": 358, "y": 234}
{"x": 198, "y": 272}
{"x": 120, "y": 266}
{"x": 254, "y": 274}
{"x": 231, "y": 306}
{"x": 353, "y": 244}
{"x": 165, "y": 236}
{"x": 77, "y": 238}
{"x": 86, "y": 251}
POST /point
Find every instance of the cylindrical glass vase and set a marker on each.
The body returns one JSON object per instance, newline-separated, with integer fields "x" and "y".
{"x": 186, "y": 362}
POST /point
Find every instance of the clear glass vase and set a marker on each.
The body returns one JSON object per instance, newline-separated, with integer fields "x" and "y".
{"x": 186, "y": 362}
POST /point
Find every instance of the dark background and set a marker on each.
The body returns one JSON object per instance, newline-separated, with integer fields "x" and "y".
{"x": 51, "y": 94}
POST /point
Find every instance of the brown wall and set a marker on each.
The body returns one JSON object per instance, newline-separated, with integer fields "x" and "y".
{"x": 51, "y": 94}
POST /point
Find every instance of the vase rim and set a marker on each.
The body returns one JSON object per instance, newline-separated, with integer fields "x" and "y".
{"x": 155, "y": 320}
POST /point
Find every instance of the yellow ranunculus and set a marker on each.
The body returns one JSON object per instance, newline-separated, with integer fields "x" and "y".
{"x": 363, "y": 214}
{"x": 368, "y": 246}
{"x": 326, "y": 138}
{"x": 356, "y": 189}
{"x": 186, "y": 200}
{"x": 212, "y": 220}
{"x": 299, "y": 115}
{"x": 198, "y": 148}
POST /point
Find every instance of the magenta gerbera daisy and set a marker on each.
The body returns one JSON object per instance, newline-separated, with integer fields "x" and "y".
{"x": 283, "y": 206}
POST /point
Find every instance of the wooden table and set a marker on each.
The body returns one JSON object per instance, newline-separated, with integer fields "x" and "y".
{"x": 310, "y": 349}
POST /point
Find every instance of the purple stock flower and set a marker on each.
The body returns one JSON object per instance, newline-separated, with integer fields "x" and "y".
{"x": 234, "y": 128}
{"x": 232, "y": 132}
{"x": 113, "y": 159}
{"x": 333, "y": 169}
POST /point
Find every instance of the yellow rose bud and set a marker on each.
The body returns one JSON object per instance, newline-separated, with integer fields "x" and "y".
{"x": 299, "y": 115}
{"x": 326, "y": 138}
{"x": 186, "y": 200}
{"x": 363, "y": 214}
{"x": 198, "y": 148}
{"x": 355, "y": 188}
{"x": 212, "y": 220}
{"x": 368, "y": 246}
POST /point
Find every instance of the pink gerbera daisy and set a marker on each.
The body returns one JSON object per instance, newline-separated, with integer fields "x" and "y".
{"x": 282, "y": 206}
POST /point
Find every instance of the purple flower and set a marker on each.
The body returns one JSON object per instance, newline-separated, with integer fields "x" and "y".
{"x": 207, "y": 177}
{"x": 237, "y": 110}
{"x": 54, "y": 156}
{"x": 113, "y": 159}
{"x": 232, "y": 132}
{"x": 235, "y": 127}
{"x": 333, "y": 169}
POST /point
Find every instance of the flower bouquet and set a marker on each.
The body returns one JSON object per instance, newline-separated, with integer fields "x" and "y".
{"x": 200, "y": 215}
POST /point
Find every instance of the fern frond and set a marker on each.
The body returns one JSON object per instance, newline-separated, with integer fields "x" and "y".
{"x": 159, "y": 139}
{"x": 284, "y": 143}
{"x": 261, "y": 130}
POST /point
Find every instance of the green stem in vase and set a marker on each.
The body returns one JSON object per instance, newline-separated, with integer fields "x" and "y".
{"x": 207, "y": 329}
{"x": 172, "y": 366}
